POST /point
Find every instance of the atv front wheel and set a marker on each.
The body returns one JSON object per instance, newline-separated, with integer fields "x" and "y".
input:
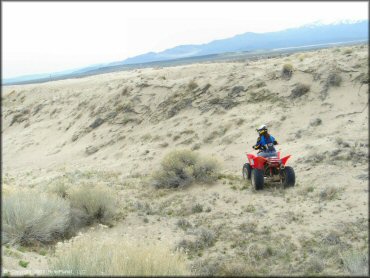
{"x": 247, "y": 169}
{"x": 257, "y": 179}
{"x": 288, "y": 177}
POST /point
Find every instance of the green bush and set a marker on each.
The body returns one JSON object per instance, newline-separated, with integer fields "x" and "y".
{"x": 180, "y": 168}
{"x": 29, "y": 218}
{"x": 91, "y": 203}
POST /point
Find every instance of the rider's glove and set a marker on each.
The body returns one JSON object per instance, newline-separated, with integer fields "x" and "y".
{"x": 256, "y": 147}
{"x": 275, "y": 142}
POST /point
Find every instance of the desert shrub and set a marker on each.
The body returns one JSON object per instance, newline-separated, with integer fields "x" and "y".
{"x": 234, "y": 268}
{"x": 59, "y": 188}
{"x": 236, "y": 90}
{"x": 89, "y": 150}
{"x": 204, "y": 238}
{"x": 92, "y": 203}
{"x": 183, "y": 167}
{"x": 301, "y": 57}
{"x": 330, "y": 192}
{"x": 239, "y": 121}
{"x": 197, "y": 208}
{"x": 334, "y": 79}
{"x": 356, "y": 263}
{"x": 287, "y": 71}
{"x": 126, "y": 107}
{"x": 299, "y": 90}
{"x": 249, "y": 227}
{"x": 192, "y": 85}
{"x": 97, "y": 122}
{"x": 146, "y": 137}
{"x": 315, "y": 265}
{"x": 163, "y": 145}
{"x": 195, "y": 147}
{"x": 29, "y": 217}
{"x": 339, "y": 141}
{"x": 87, "y": 256}
{"x": 183, "y": 224}
{"x": 223, "y": 266}
{"x": 347, "y": 51}
{"x": 316, "y": 122}
{"x": 23, "y": 264}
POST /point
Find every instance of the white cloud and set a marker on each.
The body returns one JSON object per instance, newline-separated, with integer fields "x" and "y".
{"x": 52, "y": 36}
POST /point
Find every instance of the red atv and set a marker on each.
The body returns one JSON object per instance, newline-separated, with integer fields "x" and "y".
{"x": 272, "y": 169}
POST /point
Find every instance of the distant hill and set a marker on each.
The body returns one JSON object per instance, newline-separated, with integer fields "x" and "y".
{"x": 248, "y": 42}
{"x": 305, "y": 35}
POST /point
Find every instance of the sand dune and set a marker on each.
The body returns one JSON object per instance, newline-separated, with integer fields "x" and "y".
{"x": 124, "y": 123}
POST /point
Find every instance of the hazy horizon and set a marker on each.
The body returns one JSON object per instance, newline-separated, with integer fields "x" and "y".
{"x": 100, "y": 33}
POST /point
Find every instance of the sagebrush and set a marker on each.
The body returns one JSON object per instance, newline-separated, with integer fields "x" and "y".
{"x": 183, "y": 167}
{"x": 31, "y": 217}
{"x": 92, "y": 203}
{"x": 287, "y": 71}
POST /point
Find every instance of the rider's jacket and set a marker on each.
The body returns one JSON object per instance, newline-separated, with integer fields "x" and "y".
{"x": 266, "y": 143}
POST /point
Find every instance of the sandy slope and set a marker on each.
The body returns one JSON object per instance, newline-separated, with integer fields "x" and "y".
{"x": 125, "y": 122}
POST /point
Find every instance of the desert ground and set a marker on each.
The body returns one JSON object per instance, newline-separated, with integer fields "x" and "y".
{"x": 112, "y": 131}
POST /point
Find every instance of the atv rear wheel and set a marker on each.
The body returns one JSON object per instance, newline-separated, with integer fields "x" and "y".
{"x": 247, "y": 169}
{"x": 257, "y": 179}
{"x": 288, "y": 177}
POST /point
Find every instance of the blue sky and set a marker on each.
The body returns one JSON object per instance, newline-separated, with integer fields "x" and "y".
{"x": 41, "y": 37}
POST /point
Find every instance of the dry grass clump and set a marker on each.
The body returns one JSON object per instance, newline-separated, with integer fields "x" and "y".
{"x": 125, "y": 107}
{"x": 6, "y": 189}
{"x": 29, "y": 217}
{"x": 287, "y": 71}
{"x": 356, "y": 263}
{"x": 59, "y": 188}
{"x": 88, "y": 256}
{"x": 330, "y": 193}
{"x": 92, "y": 203}
{"x": 180, "y": 168}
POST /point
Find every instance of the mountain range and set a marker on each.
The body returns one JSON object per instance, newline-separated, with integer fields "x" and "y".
{"x": 312, "y": 34}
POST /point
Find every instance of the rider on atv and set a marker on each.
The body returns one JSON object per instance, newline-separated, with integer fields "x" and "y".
{"x": 265, "y": 143}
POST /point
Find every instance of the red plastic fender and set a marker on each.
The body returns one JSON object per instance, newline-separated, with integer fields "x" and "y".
{"x": 250, "y": 157}
{"x": 259, "y": 162}
{"x": 285, "y": 159}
